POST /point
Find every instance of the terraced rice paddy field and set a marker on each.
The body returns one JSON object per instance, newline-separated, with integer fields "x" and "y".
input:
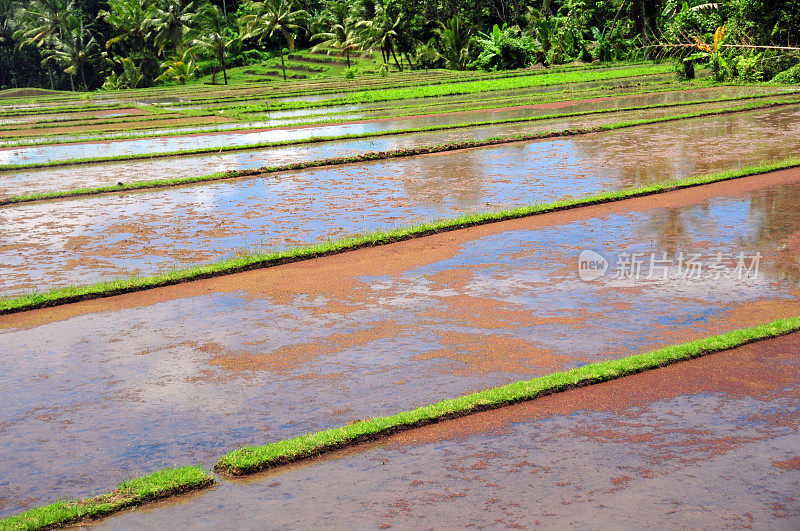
{"x": 366, "y": 297}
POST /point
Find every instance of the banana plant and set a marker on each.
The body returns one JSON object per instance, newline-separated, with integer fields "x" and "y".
{"x": 712, "y": 54}
{"x": 180, "y": 67}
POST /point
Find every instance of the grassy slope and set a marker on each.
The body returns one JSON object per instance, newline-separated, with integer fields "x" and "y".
{"x": 246, "y": 262}
{"x": 162, "y": 484}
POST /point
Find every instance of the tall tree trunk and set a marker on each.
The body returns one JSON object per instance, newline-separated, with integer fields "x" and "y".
{"x": 283, "y": 66}
{"x": 71, "y": 82}
{"x": 395, "y": 60}
{"x": 50, "y": 73}
{"x": 637, "y": 14}
{"x": 224, "y": 69}
{"x": 83, "y": 80}
{"x": 348, "y": 58}
{"x": 408, "y": 59}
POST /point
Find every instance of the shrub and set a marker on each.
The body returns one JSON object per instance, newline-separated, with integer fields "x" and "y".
{"x": 790, "y": 76}
{"x": 505, "y": 49}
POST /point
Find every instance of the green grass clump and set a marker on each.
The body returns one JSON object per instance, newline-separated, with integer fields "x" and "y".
{"x": 245, "y": 262}
{"x": 158, "y": 485}
{"x": 248, "y": 460}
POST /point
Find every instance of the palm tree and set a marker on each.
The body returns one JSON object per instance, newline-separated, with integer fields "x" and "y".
{"x": 342, "y": 33}
{"x": 169, "y": 21}
{"x": 74, "y": 48}
{"x": 382, "y": 31}
{"x": 213, "y": 37}
{"x": 265, "y": 20}
{"x": 128, "y": 18}
{"x": 455, "y": 41}
{"x": 8, "y": 26}
{"x": 40, "y": 23}
{"x": 179, "y": 67}
{"x": 131, "y": 76}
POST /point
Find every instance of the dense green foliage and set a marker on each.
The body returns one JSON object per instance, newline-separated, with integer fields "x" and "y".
{"x": 61, "y": 44}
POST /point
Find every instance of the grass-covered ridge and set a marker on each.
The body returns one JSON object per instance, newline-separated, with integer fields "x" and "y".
{"x": 159, "y": 485}
{"x": 469, "y": 87}
{"x": 198, "y": 92}
{"x": 433, "y": 149}
{"x": 248, "y": 460}
{"x": 245, "y": 262}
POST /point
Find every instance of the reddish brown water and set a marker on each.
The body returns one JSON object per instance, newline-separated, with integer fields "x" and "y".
{"x": 52, "y": 244}
{"x": 708, "y": 443}
{"x": 98, "y": 391}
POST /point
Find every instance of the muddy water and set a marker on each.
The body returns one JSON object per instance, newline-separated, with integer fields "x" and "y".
{"x": 17, "y": 182}
{"x": 708, "y": 443}
{"x": 55, "y": 152}
{"x": 53, "y": 244}
{"x": 260, "y": 356}
{"x": 409, "y": 122}
{"x": 68, "y": 178}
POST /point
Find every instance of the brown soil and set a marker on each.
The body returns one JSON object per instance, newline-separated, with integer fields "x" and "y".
{"x": 679, "y": 446}
{"x": 736, "y": 373}
{"x": 312, "y": 276}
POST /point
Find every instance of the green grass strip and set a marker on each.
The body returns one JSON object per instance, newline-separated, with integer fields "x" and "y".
{"x": 452, "y": 146}
{"x": 258, "y": 260}
{"x": 469, "y": 87}
{"x": 248, "y": 460}
{"x": 156, "y": 486}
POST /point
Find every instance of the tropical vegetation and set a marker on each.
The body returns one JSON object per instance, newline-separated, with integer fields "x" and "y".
{"x": 116, "y": 44}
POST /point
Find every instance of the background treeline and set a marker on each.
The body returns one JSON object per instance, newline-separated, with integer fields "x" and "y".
{"x": 85, "y": 44}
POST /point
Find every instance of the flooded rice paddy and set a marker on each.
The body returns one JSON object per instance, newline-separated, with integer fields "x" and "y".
{"x": 26, "y": 181}
{"x": 127, "y": 385}
{"x": 99, "y": 391}
{"x": 43, "y": 154}
{"x": 51, "y": 244}
{"x": 515, "y": 108}
{"x": 708, "y": 443}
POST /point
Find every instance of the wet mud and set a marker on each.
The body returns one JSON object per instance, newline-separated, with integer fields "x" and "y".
{"x": 80, "y": 241}
{"x": 708, "y": 443}
{"x": 54, "y": 152}
{"x": 255, "y": 357}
